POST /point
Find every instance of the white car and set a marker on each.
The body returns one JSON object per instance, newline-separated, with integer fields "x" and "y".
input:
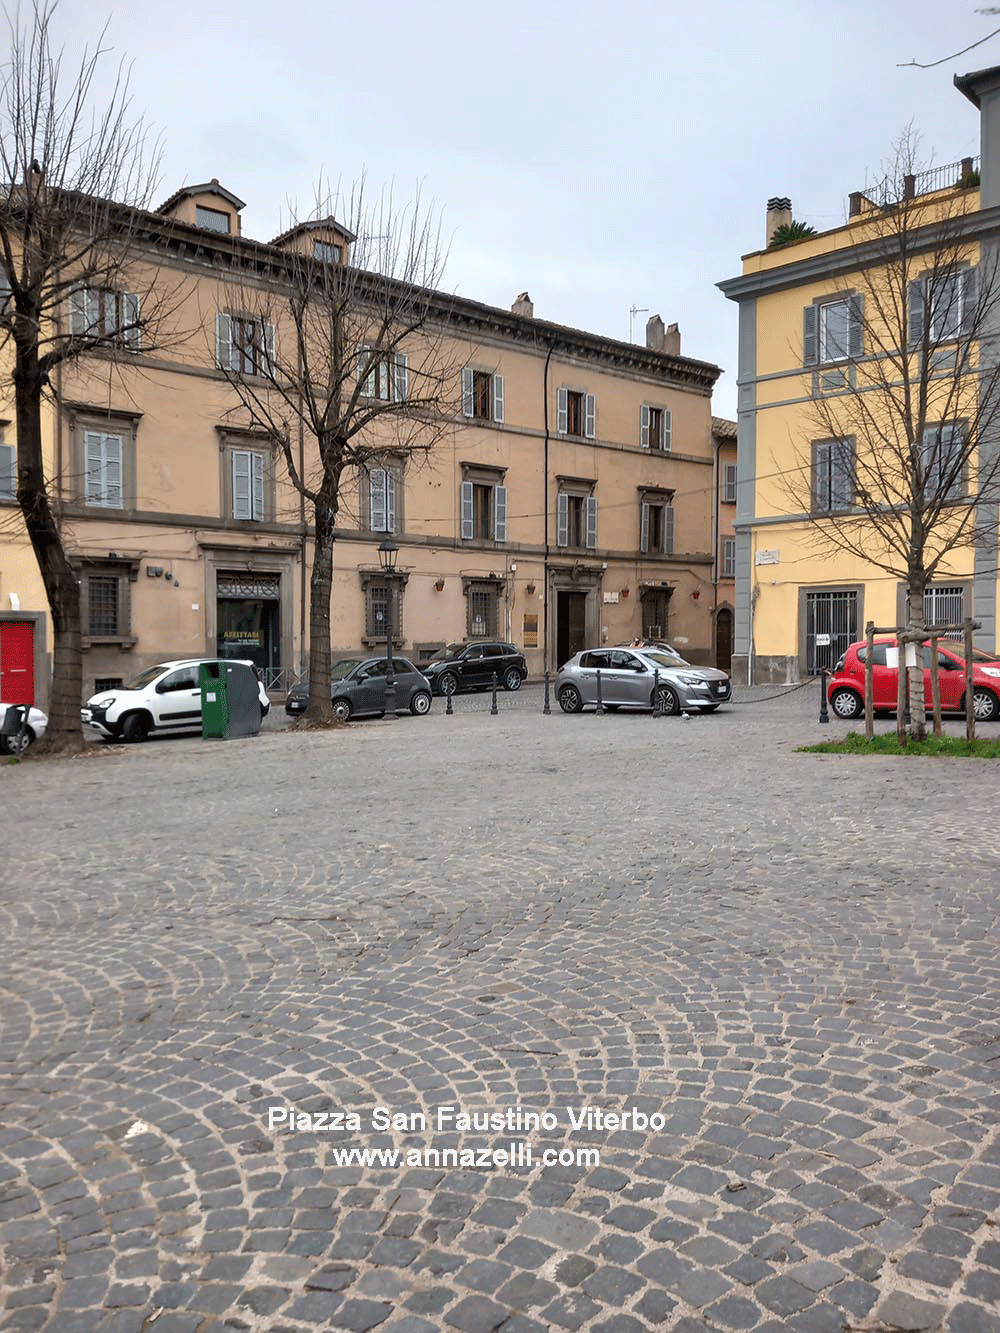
{"x": 35, "y": 730}
{"x": 165, "y": 698}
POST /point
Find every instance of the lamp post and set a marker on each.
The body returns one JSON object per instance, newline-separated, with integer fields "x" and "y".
{"x": 388, "y": 553}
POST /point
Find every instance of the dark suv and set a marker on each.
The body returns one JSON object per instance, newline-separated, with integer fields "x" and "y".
{"x": 472, "y": 666}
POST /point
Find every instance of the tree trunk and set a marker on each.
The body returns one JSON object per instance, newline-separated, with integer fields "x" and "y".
{"x": 64, "y": 731}
{"x": 320, "y": 589}
{"x": 915, "y": 675}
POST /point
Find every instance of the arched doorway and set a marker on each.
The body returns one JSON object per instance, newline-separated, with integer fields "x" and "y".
{"x": 724, "y": 639}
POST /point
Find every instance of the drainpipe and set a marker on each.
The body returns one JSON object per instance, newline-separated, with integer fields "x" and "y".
{"x": 304, "y": 547}
{"x": 545, "y": 483}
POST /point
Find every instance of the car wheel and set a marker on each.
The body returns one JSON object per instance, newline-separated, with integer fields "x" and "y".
{"x": 512, "y": 679}
{"x": 342, "y": 709}
{"x": 420, "y": 703}
{"x": 570, "y": 699}
{"x": 448, "y": 683}
{"x": 16, "y": 744}
{"x": 985, "y": 705}
{"x": 669, "y": 701}
{"x": 847, "y": 703}
{"x": 135, "y": 728}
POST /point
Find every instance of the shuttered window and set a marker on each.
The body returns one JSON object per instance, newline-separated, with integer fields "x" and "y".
{"x": 943, "y": 461}
{"x": 729, "y": 484}
{"x": 248, "y": 485}
{"x": 8, "y": 472}
{"x": 114, "y": 318}
{"x": 833, "y": 330}
{"x": 385, "y": 376}
{"x": 244, "y": 345}
{"x": 382, "y": 500}
{"x": 484, "y": 511}
{"x": 576, "y": 413}
{"x": 576, "y": 520}
{"x": 656, "y": 527}
{"x": 833, "y": 484}
{"x": 104, "y": 463}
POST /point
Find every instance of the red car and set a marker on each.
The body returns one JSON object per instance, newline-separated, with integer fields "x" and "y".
{"x": 846, "y": 690}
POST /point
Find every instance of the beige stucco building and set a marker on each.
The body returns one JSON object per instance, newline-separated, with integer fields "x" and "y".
{"x": 570, "y": 502}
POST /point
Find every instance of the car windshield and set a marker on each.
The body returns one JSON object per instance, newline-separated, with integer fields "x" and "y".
{"x": 666, "y": 659}
{"x": 147, "y": 678}
{"x": 957, "y": 649}
{"x": 344, "y": 667}
{"x": 446, "y": 654}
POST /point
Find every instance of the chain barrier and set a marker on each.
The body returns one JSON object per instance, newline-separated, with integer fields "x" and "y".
{"x": 781, "y": 693}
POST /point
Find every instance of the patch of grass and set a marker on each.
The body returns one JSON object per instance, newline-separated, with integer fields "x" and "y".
{"x": 886, "y": 743}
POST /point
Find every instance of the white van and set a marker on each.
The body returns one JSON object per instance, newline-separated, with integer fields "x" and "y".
{"x": 164, "y": 698}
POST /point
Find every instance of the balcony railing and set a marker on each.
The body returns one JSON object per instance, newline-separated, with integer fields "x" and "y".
{"x": 890, "y": 191}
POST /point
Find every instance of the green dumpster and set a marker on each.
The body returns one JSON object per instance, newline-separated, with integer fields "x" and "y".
{"x": 230, "y": 707}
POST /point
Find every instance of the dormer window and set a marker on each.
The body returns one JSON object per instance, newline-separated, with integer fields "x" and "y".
{"x": 327, "y": 253}
{"x": 212, "y": 219}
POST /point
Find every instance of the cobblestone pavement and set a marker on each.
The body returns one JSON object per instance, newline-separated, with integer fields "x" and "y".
{"x": 682, "y": 917}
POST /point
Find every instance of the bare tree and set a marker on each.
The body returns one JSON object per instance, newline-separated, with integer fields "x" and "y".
{"x": 74, "y": 167}
{"x": 902, "y": 465}
{"x": 347, "y": 347}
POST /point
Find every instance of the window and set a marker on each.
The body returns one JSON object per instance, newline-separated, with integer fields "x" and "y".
{"x": 945, "y": 606}
{"x": 484, "y": 508}
{"x": 833, "y": 476}
{"x": 728, "y": 558}
{"x": 943, "y": 461}
{"x": 655, "y": 609}
{"x": 377, "y": 607}
{"x": 943, "y": 301}
{"x": 833, "y": 329}
{"x": 656, "y": 526}
{"x": 326, "y": 252}
{"x": 104, "y": 612}
{"x": 381, "y": 511}
{"x": 482, "y": 395}
{"x": 212, "y": 219}
{"x": 729, "y": 484}
{"x": 576, "y": 520}
{"x": 576, "y": 413}
{"x": 104, "y": 462}
{"x": 483, "y": 601}
{"x": 8, "y": 470}
{"x": 112, "y": 317}
{"x": 244, "y": 344}
{"x": 105, "y": 600}
{"x": 654, "y": 428}
{"x": 248, "y": 484}
{"x": 104, "y": 683}
{"x": 383, "y": 375}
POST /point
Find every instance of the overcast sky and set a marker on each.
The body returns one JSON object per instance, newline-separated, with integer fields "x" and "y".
{"x": 598, "y": 155}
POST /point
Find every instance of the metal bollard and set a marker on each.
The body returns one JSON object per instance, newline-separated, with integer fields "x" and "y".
{"x": 545, "y": 708}
{"x": 657, "y": 700}
{"x": 448, "y": 708}
{"x": 494, "y": 710}
{"x": 600, "y": 696}
{"x": 824, "y": 715}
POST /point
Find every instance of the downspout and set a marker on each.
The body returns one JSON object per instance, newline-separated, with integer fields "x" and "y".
{"x": 305, "y": 542}
{"x": 545, "y": 483}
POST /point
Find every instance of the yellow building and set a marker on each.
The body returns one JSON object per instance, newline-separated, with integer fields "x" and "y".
{"x": 815, "y": 362}
{"x": 570, "y": 503}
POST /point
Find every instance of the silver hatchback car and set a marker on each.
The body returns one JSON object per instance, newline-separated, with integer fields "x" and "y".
{"x": 627, "y": 681}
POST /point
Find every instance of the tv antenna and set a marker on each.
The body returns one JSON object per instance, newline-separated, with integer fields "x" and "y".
{"x": 632, "y": 312}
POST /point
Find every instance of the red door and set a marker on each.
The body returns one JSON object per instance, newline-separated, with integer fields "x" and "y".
{"x": 17, "y": 661}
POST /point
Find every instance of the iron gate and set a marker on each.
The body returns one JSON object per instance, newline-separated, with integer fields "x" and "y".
{"x": 834, "y": 614}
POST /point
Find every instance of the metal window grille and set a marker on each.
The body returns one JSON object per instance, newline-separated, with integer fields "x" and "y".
{"x": 103, "y": 602}
{"x": 483, "y": 613}
{"x": 945, "y": 606}
{"x": 103, "y": 683}
{"x": 834, "y": 614}
{"x": 378, "y": 609}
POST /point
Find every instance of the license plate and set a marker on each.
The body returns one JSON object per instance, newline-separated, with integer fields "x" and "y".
{"x": 720, "y": 689}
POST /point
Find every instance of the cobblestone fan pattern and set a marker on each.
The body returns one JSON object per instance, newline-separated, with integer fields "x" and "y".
{"x": 792, "y": 958}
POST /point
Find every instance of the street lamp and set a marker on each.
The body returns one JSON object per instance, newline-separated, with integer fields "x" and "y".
{"x": 388, "y": 554}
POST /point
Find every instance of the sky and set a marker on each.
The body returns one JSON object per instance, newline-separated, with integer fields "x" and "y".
{"x": 601, "y": 156}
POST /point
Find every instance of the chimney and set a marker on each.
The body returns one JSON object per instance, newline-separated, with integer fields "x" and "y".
{"x": 523, "y": 306}
{"x": 779, "y": 214}
{"x": 672, "y": 340}
{"x": 654, "y": 333}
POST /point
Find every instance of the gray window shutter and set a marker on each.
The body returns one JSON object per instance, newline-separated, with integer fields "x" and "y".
{"x": 132, "y": 313}
{"x": 590, "y": 416}
{"x": 223, "y": 342}
{"x": 856, "y": 325}
{"x": 562, "y": 413}
{"x": 668, "y": 529}
{"x": 268, "y": 367}
{"x": 644, "y": 526}
{"x": 95, "y": 324}
{"x": 78, "y": 311}
{"x": 241, "y": 484}
{"x": 667, "y": 429}
{"x": 8, "y": 472}
{"x": 468, "y": 522}
{"x": 93, "y": 444}
{"x": 821, "y": 476}
{"x": 591, "y": 522}
{"x": 401, "y": 379}
{"x": 112, "y": 471}
{"x": 916, "y": 312}
{"x": 562, "y": 519}
{"x": 390, "y": 502}
{"x": 498, "y": 398}
{"x": 644, "y": 428}
{"x": 257, "y": 494}
{"x": 842, "y": 475}
{"x": 468, "y": 393}
{"x": 971, "y": 321}
{"x": 366, "y": 378}
{"x": 809, "y": 335}
{"x": 376, "y": 492}
{"x": 500, "y": 513}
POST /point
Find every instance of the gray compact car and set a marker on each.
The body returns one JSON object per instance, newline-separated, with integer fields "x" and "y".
{"x": 628, "y": 677}
{"x": 357, "y": 688}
